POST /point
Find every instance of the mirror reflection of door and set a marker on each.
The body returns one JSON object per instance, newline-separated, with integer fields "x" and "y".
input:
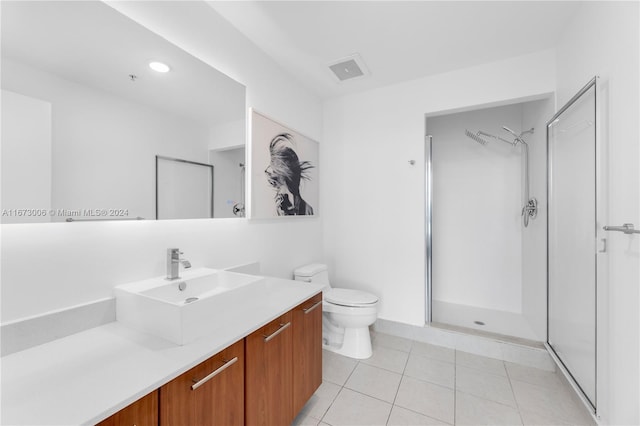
{"x": 184, "y": 189}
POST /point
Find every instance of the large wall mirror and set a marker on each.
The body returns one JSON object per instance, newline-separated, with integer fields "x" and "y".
{"x": 84, "y": 118}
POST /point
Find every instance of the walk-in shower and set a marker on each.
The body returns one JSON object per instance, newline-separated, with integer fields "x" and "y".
{"x": 486, "y": 262}
{"x": 530, "y": 208}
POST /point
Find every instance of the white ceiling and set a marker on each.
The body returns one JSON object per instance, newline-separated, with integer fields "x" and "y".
{"x": 90, "y": 43}
{"x": 398, "y": 40}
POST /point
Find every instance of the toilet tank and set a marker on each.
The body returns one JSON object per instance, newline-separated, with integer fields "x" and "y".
{"x": 316, "y": 273}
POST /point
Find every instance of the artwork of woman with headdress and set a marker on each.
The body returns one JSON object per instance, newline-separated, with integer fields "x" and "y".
{"x": 284, "y": 174}
{"x": 288, "y": 171}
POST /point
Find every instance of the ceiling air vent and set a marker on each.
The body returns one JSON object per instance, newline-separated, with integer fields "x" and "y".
{"x": 348, "y": 68}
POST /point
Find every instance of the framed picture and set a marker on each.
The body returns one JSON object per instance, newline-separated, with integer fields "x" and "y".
{"x": 284, "y": 170}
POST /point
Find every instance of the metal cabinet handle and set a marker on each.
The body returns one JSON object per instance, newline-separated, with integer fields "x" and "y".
{"x": 627, "y": 228}
{"x": 224, "y": 366}
{"x": 307, "y": 310}
{"x": 282, "y": 328}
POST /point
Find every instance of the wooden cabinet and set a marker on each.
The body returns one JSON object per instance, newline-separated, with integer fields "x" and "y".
{"x": 268, "y": 380}
{"x": 307, "y": 350}
{"x": 264, "y": 379}
{"x": 143, "y": 412}
{"x": 211, "y": 393}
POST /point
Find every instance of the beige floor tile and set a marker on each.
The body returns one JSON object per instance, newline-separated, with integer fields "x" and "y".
{"x": 432, "y": 351}
{"x": 304, "y": 419}
{"x": 337, "y": 368}
{"x": 534, "y": 418}
{"x": 403, "y": 417}
{"x": 426, "y": 398}
{"x": 485, "y": 385}
{"x": 535, "y": 376}
{"x": 471, "y": 410}
{"x": 321, "y": 400}
{"x": 431, "y": 370}
{"x": 352, "y": 408}
{"x": 389, "y": 359}
{"x": 391, "y": 342}
{"x": 489, "y": 365}
{"x": 557, "y": 403}
{"x": 375, "y": 382}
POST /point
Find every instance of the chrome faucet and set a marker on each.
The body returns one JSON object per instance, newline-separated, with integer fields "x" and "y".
{"x": 173, "y": 263}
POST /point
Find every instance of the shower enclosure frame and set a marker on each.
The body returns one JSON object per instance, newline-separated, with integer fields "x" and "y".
{"x": 599, "y": 263}
{"x": 602, "y": 384}
{"x": 427, "y": 226}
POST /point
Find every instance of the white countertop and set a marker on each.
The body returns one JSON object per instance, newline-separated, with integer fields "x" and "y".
{"x": 86, "y": 377}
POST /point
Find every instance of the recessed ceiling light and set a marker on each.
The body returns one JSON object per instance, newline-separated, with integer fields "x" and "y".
{"x": 159, "y": 66}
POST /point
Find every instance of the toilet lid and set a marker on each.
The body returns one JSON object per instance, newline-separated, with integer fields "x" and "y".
{"x": 348, "y": 297}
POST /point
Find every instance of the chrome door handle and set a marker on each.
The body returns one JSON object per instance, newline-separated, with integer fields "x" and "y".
{"x": 626, "y": 228}
{"x": 307, "y": 310}
{"x": 224, "y": 366}
{"x": 282, "y": 328}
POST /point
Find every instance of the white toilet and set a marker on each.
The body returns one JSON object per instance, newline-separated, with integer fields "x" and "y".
{"x": 346, "y": 314}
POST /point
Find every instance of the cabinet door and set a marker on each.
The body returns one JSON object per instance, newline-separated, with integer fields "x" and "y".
{"x": 143, "y": 412}
{"x": 307, "y": 350}
{"x": 211, "y": 393}
{"x": 268, "y": 384}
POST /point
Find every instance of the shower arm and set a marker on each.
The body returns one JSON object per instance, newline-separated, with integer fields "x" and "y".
{"x": 530, "y": 208}
{"x": 480, "y": 132}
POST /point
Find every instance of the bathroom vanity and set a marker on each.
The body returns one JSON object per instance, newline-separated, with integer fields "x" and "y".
{"x": 259, "y": 367}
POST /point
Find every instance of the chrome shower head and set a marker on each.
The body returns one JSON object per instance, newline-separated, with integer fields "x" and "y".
{"x": 476, "y": 137}
{"x": 511, "y": 131}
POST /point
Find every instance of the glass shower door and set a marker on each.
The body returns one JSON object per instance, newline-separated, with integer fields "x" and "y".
{"x": 572, "y": 235}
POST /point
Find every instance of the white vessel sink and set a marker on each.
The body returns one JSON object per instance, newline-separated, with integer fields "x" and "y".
{"x": 187, "y": 308}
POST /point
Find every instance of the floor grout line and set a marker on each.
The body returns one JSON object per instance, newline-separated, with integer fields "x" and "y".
{"x": 455, "y": 384}
{"x": 341, "y": 388}
{"x": 514, "y": 394}
{"x": 393, "y": 404}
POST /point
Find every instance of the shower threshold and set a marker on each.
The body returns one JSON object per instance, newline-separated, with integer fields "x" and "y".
{"x": 489, "y": 335}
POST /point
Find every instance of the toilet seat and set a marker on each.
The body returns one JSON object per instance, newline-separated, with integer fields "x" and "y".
{"x": 349, "y": 297}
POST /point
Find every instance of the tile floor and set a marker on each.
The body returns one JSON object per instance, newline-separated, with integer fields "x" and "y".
{"x": 413, "y": 383}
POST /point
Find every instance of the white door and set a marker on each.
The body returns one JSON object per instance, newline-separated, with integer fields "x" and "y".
{"x": 574, "y": 208}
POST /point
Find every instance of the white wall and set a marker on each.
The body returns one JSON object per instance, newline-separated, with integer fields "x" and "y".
{"x": 477, "y": 192}
{"x": 104, "y": 146}
{"x": 26, "y": 157}
{"x": 373, "y": 199}
{"x": 603, "y": 39}
{"x": 67, "y": 264}
{"x": 227, "y": 135}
